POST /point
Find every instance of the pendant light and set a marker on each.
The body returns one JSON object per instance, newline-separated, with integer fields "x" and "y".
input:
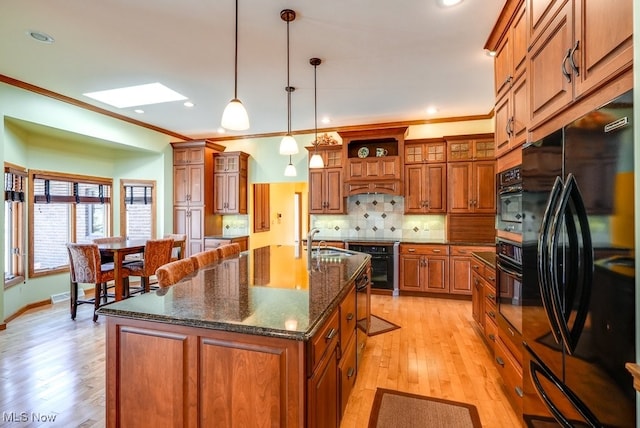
{"x": 235, "y": 116}
{"x": 290, "y": 170}
{"x": 288, "y": 145}
{"x": 316, "y": 160}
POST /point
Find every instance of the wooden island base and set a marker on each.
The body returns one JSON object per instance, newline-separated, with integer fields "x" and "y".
{"x": 168, "y": 375}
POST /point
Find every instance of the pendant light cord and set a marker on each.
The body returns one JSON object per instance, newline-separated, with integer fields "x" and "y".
{"x": 288, "y": 87}
{"x": 235, "y": 87}
{"x": 315, "y": 102}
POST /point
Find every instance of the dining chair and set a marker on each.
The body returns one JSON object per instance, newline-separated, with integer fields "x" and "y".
{"x": 157, "y": 252}
{"x": 85, "y": 267}
{"x": 175, "y": 271}
{"x": 179, "y": 245}
{"x": 205, "y": 257}
{"x": 228, "y": 250}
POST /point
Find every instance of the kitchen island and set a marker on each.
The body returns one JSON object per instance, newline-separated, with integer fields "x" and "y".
{"x": 251, "y": 340}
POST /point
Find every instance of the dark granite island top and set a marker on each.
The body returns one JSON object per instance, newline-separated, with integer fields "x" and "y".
{"x": 266, "y": 291}
{"x": 253, "y": 340}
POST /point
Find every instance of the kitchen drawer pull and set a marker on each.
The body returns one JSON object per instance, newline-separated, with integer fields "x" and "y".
{"x": 519, "y": 391}
{"x": 492, "y": 314}
{"x": 412, "y": 250}
{"x": 437, "y": 251}
{"x": 331, "y": 334}
{"x": 500, "y": 361}
{"x": 511, "y": 332}
{"x": 349, "y": 316}
{"x": 350, "y": 372}
{"x": 491, "y": 296}
{"x": 492, "y": 337}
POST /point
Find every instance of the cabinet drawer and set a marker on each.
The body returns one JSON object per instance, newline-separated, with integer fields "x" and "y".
{"x": 347, "y": 370}
{"x": 424, "y": 249}
{"x": 490, "y": 310}
{"x": 478, "y": 267}
{"x": 465, "y": 250}
{"x": 490, "y": 296}
{"x": 511, "y": 338}
{"x": 348, "y": 317}
{"x": 511, "y": 373}
{"x": 490, "y": 332}
{"x": 324, "y": 339}
{"x": 490, "y": 276}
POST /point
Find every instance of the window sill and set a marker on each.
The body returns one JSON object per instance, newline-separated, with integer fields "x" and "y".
{"x": 13, "y": 281}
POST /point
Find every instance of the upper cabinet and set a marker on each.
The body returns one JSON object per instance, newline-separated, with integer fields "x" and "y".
{"x": 511, "y": 110}
{"x": 425, "y": 176}
{"x": 470, "y": 147}
{"x": 325, "y": 184}
{"x": 193, "y": 192}
{"x": 230, "y": 178}
{"x": 576, "y": 46}
{"x": 373, "y": 160}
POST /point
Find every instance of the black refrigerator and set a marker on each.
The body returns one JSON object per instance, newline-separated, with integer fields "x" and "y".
{"x": 579, "y": 272}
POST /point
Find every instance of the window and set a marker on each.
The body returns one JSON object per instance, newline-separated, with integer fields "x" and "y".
{"x": 65, "y": 208}
{"x": 14, "y": 197}
{"x": 139, "y": 207}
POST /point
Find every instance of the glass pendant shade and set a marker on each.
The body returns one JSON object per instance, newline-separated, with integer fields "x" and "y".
{"x": 235, "y": 116}
{"x": 288, "y": 145}
{"x": 290, "y": 170}
{"x": 316, "y": 161}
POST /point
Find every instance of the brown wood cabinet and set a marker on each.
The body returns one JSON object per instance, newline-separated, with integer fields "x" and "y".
{"x": 425, "y": 176}
{"x": 461, "y": 265}
{"x": 471, "y": 187}
{"x": 193, "y": 192}
{"x": 326, "y": 194}
{"x": 462, "y": 148}
{"x": 373, "y": 160}
{"x": 230, "y": 178}
{"x": 261, "y": 208}
{"x": 570, "y": 55}
{"x": 424, "y": 268}
{"x": 425, "y": 189}
{"x": 483, "y": 280}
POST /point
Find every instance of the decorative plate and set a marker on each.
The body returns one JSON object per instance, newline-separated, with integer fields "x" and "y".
{"x": 363, "y": 152}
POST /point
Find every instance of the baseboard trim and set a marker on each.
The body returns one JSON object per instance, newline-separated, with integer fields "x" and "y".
{"x": 23, "y": 310}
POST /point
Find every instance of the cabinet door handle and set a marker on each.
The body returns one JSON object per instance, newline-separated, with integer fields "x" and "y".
{"x": 500, "y": 361}
{"x": 572, "y": 61}
{"x": 491, "y": 278}
{"x": 510, "y": 126}
{"x": 492, "y": 337}
{"x": 563, "y": 69}
{"x": 492, "y": 314}
{"x": 349, "y": 316}
{"x": 511, "y": 332}
{"x": 492, "y": 297}
{"x": 519, "y": 391}
{"x": 332, "y": 333}
{"x": 350, "y": 372}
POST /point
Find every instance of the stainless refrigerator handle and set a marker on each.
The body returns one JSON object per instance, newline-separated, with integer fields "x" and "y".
{"x": 538, "y": 367}
{"x": 543, "y": 259}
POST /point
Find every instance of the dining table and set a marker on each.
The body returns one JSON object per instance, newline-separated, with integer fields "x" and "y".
{"x": 119, "y": 250}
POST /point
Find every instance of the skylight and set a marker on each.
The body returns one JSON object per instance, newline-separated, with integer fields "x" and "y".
{"x": 140, "y": 95}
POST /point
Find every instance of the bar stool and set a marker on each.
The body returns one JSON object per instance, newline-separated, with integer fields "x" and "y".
{"x": 85, "y": 268}
{"x": 175, "y": 271}
{"x": 228, "y": 250}
{"x": 205, "y": 257}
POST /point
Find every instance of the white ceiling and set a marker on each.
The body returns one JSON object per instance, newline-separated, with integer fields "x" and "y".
{"x": 383, "y": 61}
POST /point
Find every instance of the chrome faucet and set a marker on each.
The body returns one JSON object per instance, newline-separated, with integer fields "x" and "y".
{"x": 310, "y": 236}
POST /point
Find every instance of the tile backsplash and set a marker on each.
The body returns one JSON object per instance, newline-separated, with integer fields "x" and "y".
{"x": 235, "y": 225}
{"x": 379, "y": 216}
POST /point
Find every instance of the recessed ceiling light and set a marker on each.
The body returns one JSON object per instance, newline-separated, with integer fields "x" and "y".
{"x": 448, "y": 3}
{"x": 139, "y": 111}
{"x": 431, "y": 110}
{"x": 221, "y": 130}
{"x": 325, "y": 120}
{"x": 140, "y": 95}
{"x": 490, "y": 53}
{"x": 40, "y": 36}
{"x": 188, "y": 104}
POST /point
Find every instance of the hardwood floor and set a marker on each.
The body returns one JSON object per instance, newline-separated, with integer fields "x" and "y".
{"x": 51, "y": 366}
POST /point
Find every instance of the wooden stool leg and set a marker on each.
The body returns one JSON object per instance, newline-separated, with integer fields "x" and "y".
{"x": 97, "y": 295}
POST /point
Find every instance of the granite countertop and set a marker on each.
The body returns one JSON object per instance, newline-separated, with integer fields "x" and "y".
{"x": 486, "y": 257}
{"x": 280, "y": 299}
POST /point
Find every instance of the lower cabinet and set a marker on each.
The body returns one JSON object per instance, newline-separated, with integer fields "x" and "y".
{"x": 424, "y": 268}
{"x": 461, "y": 263}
